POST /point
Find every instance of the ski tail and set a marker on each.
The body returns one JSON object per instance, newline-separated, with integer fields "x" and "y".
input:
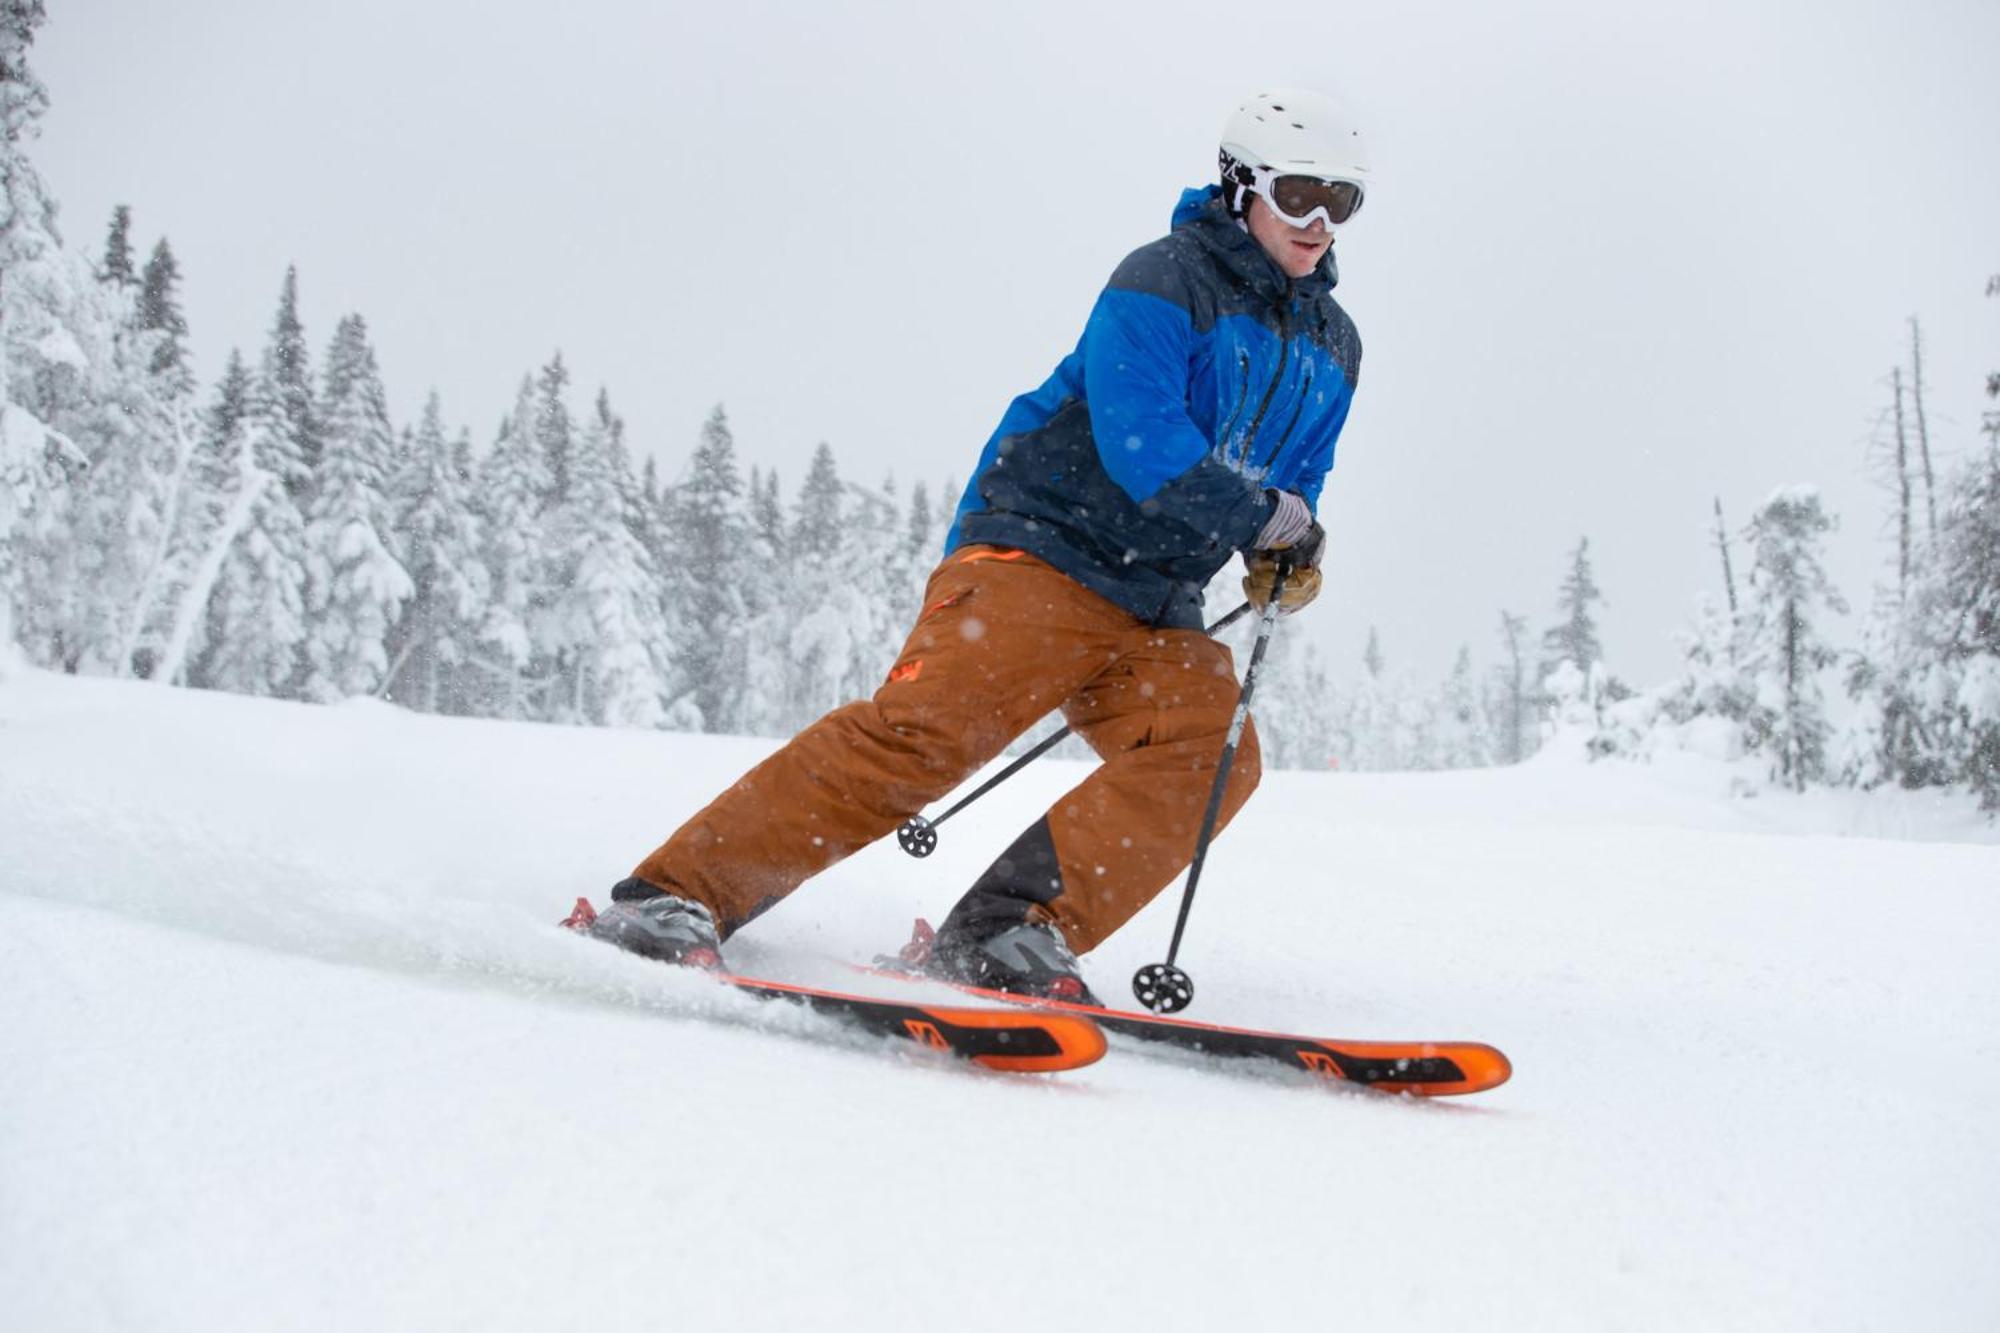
{"x": 990, "y": 1038}
{"x": 1010, "y": 1039}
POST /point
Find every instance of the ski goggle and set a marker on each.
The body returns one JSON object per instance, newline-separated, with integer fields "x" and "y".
{"x": 1297, "y": 200}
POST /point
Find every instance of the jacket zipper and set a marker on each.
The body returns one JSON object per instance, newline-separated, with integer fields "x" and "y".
{"x": 1305, "y": 392}
{"x": 1284, "y": 357}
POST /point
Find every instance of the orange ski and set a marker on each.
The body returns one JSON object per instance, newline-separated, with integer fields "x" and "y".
{"x": 1010, "y": 1039}
{"x": 1013, "y": 1039}
{"x": 1419, "y": 1068}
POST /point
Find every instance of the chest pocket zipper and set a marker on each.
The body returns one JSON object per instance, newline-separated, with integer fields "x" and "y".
{"x": 1305, "y": 393}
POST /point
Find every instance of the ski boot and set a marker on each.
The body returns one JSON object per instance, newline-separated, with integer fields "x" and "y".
{"x": 653, "y": 924}
{"x": 1028, "y": 958}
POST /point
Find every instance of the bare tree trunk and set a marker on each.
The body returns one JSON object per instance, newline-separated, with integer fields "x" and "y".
{"x": 389, "y": 676}
{"x": 1511, "y": 628}
{"x": 1794, "y": 760}
{"x": 137, "y": 614}
{"x": 1728, "y": 575}
{"x": 1923, "y": 427}
{"x": 1903, "y": 496}
{"x": 194, "y": 601}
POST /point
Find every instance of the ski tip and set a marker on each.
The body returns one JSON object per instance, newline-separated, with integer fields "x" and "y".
{"x": 1480, "y": 1067}
{"x": 1486, "y": 1067}
{"x": 580, "y": 916}
{"x": 1078, "y": 1041}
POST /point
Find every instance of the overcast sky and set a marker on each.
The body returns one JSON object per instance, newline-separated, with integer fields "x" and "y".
{"x": 1619, "y": 258}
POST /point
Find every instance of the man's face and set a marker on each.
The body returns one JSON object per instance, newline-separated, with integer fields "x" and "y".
{"x": 1296, "y": 250}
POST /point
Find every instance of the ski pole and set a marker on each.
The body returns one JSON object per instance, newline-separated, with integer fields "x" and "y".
{"x": 918, "y": 836}
{"x": 1163, "y": 987}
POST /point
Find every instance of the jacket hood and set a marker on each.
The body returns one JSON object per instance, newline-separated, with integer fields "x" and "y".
{"x": 1202, "y": 210}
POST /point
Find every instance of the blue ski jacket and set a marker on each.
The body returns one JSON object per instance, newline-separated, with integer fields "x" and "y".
{"x": 1203, "y": 377}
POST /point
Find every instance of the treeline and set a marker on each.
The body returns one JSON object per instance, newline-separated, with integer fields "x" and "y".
{"x": 275, "y": 533}
{"x": 1913, "y": 701}
{"x": 283, "y": 538}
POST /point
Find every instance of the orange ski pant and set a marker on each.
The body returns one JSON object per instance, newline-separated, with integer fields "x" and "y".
{"x": 1002, "y": 640}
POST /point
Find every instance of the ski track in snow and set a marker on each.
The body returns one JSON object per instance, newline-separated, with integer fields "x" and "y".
{"x": 292, "y": 1043}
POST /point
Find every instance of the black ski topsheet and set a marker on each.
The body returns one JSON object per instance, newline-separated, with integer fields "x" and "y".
{"x": 1015, "y": 1039}
{"x": 1418, "y": 1068}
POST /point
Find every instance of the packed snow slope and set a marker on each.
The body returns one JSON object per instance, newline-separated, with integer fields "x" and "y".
{"x": 291, "y": 1041}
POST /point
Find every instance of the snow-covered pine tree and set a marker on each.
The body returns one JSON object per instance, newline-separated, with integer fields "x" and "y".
{"x": 1989, "y": 421}
{"x": 236, "y": 618}
{"x": 767, "y": 517}
{"x": 436, "y": 538}
{"x": 1574, "y": 637}
{"x": 292, "y": 454}
{"x": 1712, "y": 692}
{"x": 894, "y": 585}
{"x": 707, "y": 542}
{"x": 257, "y": 613}
{"x": 919, "y": 533}
{"x": 39, "y": 344}
{"x": 160, "y": 314}
{"x": 513, "y": 480}
{"x": 355, "y": 586}
{"x": 1958, "y": 624}
{"x": 636, "y": 497}
{"x": 821, "y": 619}
{"x": 116, "y": 267}
{"x": 1294, "y": 719}
{"x": 104, "y": 566}
{"x": 768, "y": 609}
{"x": 1459, "y": 728}
{"x": 1370, "y": 723}
{"x": 1783, "y": 650}
{"x": 224, "y": 490}
{"x": 160, "y": 344}
{"x": 613, "y": 630}
{"x": 555, "y": 433}
{"x": 817, "y": 512}
{"x": 555, "y": 627}
{"x": 878, "y": 587}
{"x": 1896, "y": 732}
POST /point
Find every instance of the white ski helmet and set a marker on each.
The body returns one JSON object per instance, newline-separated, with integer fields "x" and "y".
{"x": 1292, "y": 132}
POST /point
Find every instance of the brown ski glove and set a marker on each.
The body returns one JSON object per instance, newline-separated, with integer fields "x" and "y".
{"x": 1293, "y": 531}
{"x": 1301, "y": 585}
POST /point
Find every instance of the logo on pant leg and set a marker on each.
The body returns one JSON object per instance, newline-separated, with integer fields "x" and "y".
{"x": 907, "y": 671}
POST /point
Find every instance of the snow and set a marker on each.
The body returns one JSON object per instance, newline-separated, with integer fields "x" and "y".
{"x": 292, "y": 1042}
{"x": 25, "y": 437}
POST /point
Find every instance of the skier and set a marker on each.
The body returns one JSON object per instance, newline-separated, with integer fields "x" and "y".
{"x": 1196, "y": 418}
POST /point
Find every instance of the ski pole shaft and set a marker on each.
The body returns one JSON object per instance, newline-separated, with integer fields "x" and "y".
{"x": 917, "y": 835}
{"x": 1209, "y": 817}
{"x": 1041, "y": 748}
